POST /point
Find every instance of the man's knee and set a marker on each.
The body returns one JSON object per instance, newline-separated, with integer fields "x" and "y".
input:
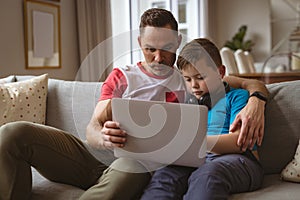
{"x": 129, "y": 166}
{"x": 11, "y": 133}
{"x": 117, "y": 182}
{"x": 128, "y": 171}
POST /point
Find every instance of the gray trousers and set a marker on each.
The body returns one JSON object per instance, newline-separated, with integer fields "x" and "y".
{"x": 219, "y": 177}
{"x": 63, "y": 158}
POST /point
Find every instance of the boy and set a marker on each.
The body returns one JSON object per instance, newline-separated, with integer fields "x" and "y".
{"x": 227, "y": 170}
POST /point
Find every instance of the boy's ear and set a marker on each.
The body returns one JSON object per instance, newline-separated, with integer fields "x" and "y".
{"x": 222, "y": 70}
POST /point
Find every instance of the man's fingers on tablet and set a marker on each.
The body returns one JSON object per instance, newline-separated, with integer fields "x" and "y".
{"x": 111, "y": 124}
{"x": 114, "y": 139}
{"x": 111, "y": 145}
{"x": 114, "y": 132}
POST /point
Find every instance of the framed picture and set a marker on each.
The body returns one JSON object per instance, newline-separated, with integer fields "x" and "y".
{"x": 42, "y": 35}
{"x": 54, "y": 0}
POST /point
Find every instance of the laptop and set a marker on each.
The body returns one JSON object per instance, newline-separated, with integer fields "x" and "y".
{"x": 162, "y": 133}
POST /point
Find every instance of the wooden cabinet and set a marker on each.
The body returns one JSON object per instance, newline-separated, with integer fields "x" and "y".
{"x": 271, "y": 77}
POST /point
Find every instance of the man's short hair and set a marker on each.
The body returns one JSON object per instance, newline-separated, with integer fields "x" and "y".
{"x": 196, "y": 50}
{"x": 157, "y": 17}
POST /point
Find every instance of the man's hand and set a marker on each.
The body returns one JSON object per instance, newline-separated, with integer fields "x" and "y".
{"x": 102, "y": 131}
{"x": 112, "y": 136}
{"x": 251, "y": 122}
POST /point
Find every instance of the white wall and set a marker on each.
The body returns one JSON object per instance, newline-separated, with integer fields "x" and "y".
{"x": 226, "y": 16}
{"x": 229, "y": 15}
{"x": 283, "y": 18}
{"x": 12, "y": 56}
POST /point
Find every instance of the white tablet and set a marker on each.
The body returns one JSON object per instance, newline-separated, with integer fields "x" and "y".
{"x": 160, "y": 132}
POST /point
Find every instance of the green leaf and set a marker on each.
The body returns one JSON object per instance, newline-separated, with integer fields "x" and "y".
{"x": 248, "y": 45}
{"x": 237, "y": 41}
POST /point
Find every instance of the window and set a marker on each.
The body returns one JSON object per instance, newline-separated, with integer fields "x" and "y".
{"x": 159, "y": 4}
{"x": 186, "y": 12}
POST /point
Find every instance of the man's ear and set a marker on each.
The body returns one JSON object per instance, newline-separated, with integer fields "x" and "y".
{"x": 179, "y": 40}
{"x": 139, "y": 40}
{"x": 222, "y": 70}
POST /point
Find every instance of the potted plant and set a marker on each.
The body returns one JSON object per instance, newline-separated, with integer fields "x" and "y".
{"x": 237, "y": 41}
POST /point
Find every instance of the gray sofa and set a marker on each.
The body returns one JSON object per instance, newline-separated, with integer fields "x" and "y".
{"x": 70, "y": 105}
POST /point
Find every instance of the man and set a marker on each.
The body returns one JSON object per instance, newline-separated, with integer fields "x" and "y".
{"x": 24, "y": 144}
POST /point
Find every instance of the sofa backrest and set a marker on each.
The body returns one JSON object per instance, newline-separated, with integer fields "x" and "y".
{"x": 282, "y": 127}
{"x": 70, "y": 104}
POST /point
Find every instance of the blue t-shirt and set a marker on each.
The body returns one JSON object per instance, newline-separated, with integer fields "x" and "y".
{"x": 224, "y": 112}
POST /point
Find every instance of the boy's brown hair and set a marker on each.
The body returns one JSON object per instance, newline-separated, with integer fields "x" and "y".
{"x": 196, "y": 50}
{"x": 157, "y": 17}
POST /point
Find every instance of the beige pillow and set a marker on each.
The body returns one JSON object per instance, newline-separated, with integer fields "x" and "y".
{"x": 24, "y": 101}
{"x": 292, "y": 171}
{"x": 8, "y": 79}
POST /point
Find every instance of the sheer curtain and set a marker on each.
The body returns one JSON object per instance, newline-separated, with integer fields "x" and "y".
{"x": 204, "y": 16}
{"x": 94, "y": 32}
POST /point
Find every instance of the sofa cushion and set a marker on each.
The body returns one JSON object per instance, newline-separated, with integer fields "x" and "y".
{"x": 272, "y": 188}
{"x": 281, "y": 126}
{"x": 25, "y": 101}
{"x": 8, "y": 79}
{"x": 48, "y": 190}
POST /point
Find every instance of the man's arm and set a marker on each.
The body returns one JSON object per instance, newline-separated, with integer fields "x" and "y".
{"x": 251, "y": 85}
{"x": 101, "y": 131}
{"x": 251, "y": 118}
